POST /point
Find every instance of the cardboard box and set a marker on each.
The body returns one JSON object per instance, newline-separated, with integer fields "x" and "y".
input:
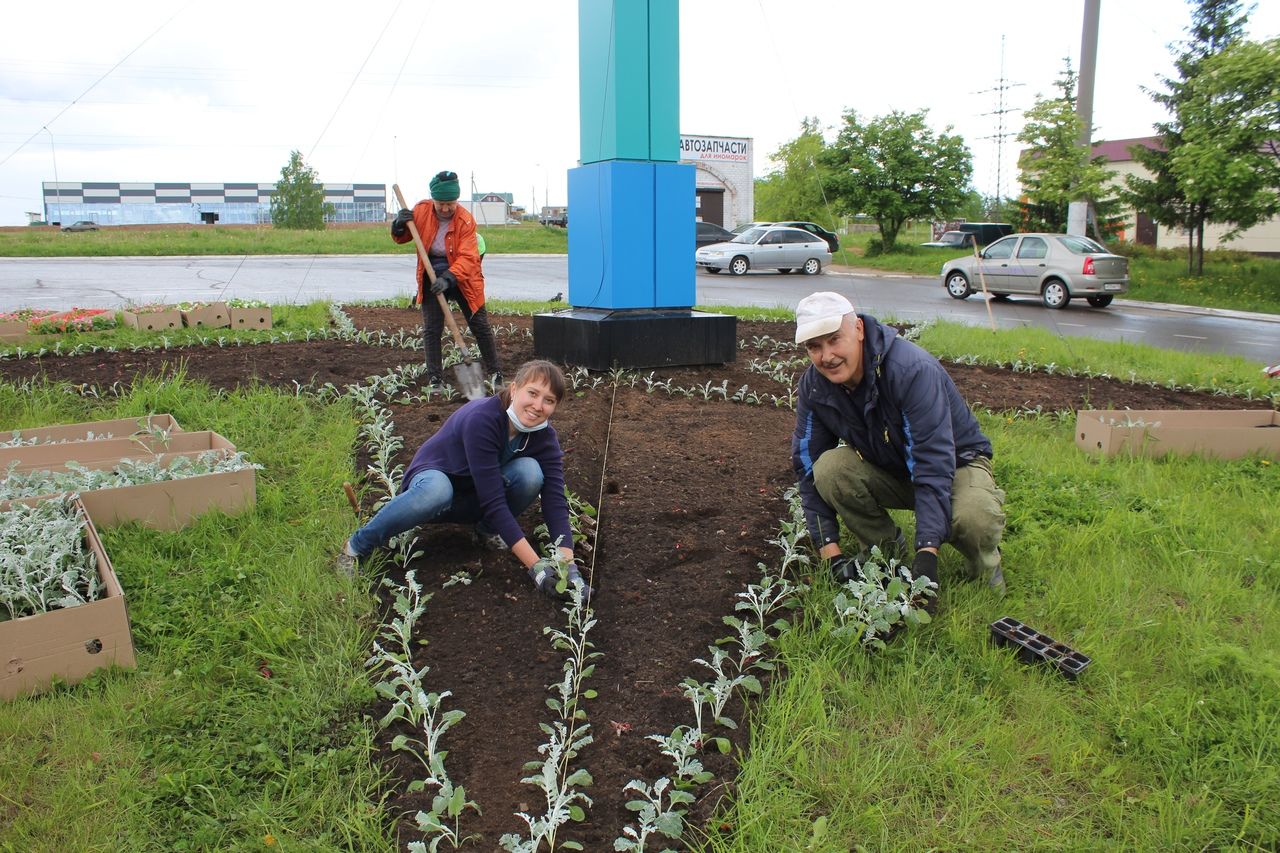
{"x": 164, "y": 505}
{"x": 153, "y": 321}
{"x": 68, "y": 643}
{"x": 212, "y": 316}
{"x": 118, "y": 428}
{"x": 111, "y": 450}
{"x": 250, "y": 318}
{"x": 1225, "y": 434}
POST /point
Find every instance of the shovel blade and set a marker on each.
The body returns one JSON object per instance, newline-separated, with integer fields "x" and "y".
{"x": 471, "y": 380}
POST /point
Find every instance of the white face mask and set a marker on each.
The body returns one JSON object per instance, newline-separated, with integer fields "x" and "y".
{"x": 515, "y": 421}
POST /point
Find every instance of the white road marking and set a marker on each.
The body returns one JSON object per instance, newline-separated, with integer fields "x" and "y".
{"x": 1192, "y": 337}
{"x": 1077, "y": 325}
{"x": 1133, "y": 331}
{"x": 1258, "y": 343}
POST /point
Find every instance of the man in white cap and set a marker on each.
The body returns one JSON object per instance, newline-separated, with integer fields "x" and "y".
{"x": 910, "y": 441}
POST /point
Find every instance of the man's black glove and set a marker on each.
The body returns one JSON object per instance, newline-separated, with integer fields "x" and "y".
{"x": 400, "y": 224}
{"x": 444, "y": 281}
{"x": 844, "y": 568}
{"x": 925, "y": 565}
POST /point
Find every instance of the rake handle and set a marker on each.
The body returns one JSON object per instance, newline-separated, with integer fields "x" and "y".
{"x": 431, "y": 278}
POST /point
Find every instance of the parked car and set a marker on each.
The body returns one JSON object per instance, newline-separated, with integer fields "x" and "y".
{"x": 770, "y": 248}
{"x": 747, "y": 226}
{"x": 709, "y": 232}
{"x": 1056, "y": 267}
{"x": 82, "y": 225}
{"x": 986, "y": 232}
{"x": 953, "y": 240}
{"x": 833, "y": 241}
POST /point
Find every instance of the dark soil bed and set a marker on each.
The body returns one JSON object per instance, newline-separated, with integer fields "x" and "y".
{"x": 689, "y": 492}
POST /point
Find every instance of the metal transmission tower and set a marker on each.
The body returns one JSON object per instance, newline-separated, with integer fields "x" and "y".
{"x": 1002, "y": 86}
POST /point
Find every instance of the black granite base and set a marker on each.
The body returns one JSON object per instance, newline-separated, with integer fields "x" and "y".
{"x": 600, "y": 339}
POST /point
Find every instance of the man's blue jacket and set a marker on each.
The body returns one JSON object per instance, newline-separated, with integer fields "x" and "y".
{"x": 905, "y": 417}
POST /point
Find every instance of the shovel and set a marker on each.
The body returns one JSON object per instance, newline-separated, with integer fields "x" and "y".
{"x": 470, "y": 376}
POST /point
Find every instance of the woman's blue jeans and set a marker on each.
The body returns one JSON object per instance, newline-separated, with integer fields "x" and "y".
{"x": 433, "y": 497}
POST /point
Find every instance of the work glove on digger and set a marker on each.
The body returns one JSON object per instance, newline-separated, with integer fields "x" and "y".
{"x": 557, "y": 580}
{"x": 925, "y": 565}
{"x": 444, "y": 281}
{"x": 400, "y": 224}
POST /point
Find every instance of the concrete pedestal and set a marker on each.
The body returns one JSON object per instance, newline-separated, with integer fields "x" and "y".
{"x": 600, "y": 339}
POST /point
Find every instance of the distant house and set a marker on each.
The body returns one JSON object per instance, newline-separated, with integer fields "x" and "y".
{"x": 1140, "y": 228}
{"x": 490, "y": 208}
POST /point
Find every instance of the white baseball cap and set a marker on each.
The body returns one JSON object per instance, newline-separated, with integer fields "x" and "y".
{"x": 820, "y": 314}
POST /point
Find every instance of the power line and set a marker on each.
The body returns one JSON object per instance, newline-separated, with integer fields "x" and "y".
{"x": 1002, "y": 85}
{"x": 93, "y": 85}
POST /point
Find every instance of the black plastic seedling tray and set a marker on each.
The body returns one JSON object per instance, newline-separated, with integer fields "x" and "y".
{"x": 1034, "y": 647}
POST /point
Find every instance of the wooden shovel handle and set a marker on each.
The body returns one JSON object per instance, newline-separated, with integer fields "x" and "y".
{"x": 351, "y": 499}
{"x": 431, "y": 278}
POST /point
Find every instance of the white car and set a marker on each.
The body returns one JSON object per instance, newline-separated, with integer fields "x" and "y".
{"x": 767, "y": 248}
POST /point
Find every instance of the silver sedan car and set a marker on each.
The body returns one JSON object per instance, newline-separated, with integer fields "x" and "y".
{"x": 1055, "y": 267}
{"x": 767, "y": 248}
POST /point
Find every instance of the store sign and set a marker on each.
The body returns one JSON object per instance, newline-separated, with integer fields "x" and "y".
{"x": 715, "y": 148}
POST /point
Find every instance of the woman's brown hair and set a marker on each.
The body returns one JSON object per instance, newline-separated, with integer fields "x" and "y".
{"x": 537, "y": 370}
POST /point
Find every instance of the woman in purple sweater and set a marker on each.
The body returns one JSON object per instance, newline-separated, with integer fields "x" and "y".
{"x": 484, "y": 467}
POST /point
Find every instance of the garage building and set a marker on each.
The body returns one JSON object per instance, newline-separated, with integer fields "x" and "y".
{"x": 724, "y": 177}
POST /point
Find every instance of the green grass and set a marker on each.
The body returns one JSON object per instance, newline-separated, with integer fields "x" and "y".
{"x": 264, "y": 240}
{"x": 1163, "y": 571}
{"x": 196, "y": 749}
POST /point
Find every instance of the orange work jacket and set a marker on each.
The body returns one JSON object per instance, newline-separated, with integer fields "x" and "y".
{"x": 460, "y": 250}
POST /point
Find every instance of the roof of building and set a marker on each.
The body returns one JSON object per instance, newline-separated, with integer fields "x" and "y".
{"x": 1117, "y": 150}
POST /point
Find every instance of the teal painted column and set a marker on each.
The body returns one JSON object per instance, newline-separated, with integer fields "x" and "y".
{"x": 629, "y": 80}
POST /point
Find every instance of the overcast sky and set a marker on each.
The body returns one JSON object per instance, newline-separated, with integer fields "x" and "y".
{"x": 395, "y": 91}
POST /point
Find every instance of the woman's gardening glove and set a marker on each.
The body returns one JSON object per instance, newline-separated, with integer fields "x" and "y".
{"x": 400, "y": 224}
{"x": 556, "y": 579}
{"x": 444, "y": 281}
{"x": 926, "y": 565}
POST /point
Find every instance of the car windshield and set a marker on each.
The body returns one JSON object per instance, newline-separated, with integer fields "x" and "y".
{"x": 751, "y": 236}
{"x": 952, "y": 238}
{"x": 1082, "y": 245}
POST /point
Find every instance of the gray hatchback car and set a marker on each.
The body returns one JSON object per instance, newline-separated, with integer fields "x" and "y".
{"x": 1055, "y": 267}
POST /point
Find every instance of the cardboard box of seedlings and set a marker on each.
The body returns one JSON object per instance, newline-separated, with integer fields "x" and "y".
{"x": 1224, "y": 434}
{"x": 250, "y": 318}
{"x": 67, "y": 643}
{"x": 99, "y": 430}
{"x": 212, "y": 316}
{"x": 164, "y": 504}
{"x": 152, "y": 321}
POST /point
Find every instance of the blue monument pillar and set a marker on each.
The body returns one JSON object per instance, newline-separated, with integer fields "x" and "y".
{"x": 631, "y": 204}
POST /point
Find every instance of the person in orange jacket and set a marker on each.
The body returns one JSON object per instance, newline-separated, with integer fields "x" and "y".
{"x": 448, "y": 231}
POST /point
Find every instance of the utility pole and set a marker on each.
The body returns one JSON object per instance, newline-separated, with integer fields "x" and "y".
{"x": 1078, "y": 210}
{"x": 57, "y": 186}
{"x": 1002, "y": 86}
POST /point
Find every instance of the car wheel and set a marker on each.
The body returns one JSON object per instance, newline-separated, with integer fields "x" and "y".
{"x": 712, "y": 270}
{"x": 812, "y": 266}
{"x": 739, "y": 265}
{"x": 1101, "y": 301}
{"x": 786, "y": 270}
{"x": 958, "y": 285}
{"x": 1055, "y": 294}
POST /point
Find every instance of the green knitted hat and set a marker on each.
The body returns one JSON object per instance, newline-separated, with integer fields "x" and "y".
{"x": 444, "y": 186}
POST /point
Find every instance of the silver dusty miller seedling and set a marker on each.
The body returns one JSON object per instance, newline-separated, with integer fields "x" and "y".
{"x": 44, "y": 564}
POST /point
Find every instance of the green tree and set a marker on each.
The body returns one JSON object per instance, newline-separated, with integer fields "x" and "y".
{"x": 299, "y": 200}
{"x": 1229, "y": 159}
{"x": 896, "y": 168}
{"x": 1215, "y": 26}
{"x": 794, "y": 190}
{"x": 1054, "y": 169}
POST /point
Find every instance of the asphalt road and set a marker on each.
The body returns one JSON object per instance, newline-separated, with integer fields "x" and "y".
{"x": 62, "y": 283}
